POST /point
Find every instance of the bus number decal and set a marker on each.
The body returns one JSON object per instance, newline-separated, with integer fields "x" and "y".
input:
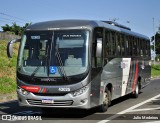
{"x": 64, "y": 89}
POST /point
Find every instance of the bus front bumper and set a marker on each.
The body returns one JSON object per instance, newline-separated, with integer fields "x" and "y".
{"x": 81, "y": 101}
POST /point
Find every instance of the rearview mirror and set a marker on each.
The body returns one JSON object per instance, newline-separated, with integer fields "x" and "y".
{"x": 99, "y": 47}
{"x": 10, "y": 47}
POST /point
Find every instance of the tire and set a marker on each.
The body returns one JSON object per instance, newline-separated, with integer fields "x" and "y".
{"x": 106, "y": 101}
{"x": 136, "y": 91}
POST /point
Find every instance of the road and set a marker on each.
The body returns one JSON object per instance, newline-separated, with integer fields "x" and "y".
{"x": 144, "y": 109}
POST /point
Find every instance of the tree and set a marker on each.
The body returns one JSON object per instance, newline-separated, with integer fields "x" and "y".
{"x": 157, "y": 44}
{"x": 6, "y": 28}
{"x": 14, "y": 28}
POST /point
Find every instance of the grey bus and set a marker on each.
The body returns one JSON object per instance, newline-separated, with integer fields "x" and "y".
{"x": 80, "y": 64}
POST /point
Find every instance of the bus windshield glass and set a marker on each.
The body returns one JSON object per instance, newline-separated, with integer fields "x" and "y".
{"x": 53, "y": 53}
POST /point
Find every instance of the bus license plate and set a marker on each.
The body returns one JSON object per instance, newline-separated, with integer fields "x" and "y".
{"x": 49, "y": 101}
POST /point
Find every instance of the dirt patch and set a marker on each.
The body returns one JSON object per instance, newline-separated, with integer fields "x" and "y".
{"x": 8, "y": 97}
{"x": 0, "y": 75}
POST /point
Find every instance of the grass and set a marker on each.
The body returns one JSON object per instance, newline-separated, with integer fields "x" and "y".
{"x": 155, "y": 70}
{"x": 7, "y": 69}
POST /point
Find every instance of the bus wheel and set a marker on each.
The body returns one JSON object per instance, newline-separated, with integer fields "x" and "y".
{"x": 136, "y": 91}
{"x": 106, "y": 101}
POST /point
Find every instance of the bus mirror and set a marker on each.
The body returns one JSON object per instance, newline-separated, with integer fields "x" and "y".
{"x": 10, "y": 47}
{"x": 99, "y": 47}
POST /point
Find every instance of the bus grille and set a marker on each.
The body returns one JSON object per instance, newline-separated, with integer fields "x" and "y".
{"x": 56, "y": 102}
{"x": 50, "y": 94}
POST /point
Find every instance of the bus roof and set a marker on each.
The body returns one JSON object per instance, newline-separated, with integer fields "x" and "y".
{"x": 77, "y": 24}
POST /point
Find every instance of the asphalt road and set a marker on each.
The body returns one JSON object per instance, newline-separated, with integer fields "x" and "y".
{"x": 144, "y": 109}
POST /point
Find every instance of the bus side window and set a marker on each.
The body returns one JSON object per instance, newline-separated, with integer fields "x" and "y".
{"x": 113, "y": 43}
{"x": 107, "y": 46}
{"x": 138, "y": 47}
{"x": 141, "y": 47}
{"x": 130, "y": 53}
{"x": 134, "y": 46}
{"x": 123, "y": 45}
{"x": 118, "y": 44}
{"x": 127, "y": 46}
{"x": 148, "y": 48}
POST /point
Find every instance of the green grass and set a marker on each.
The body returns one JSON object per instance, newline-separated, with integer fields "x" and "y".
{"x": 155, "y": 70}
{"x": 7, "y": 69}
{"x": 7, "y": 85}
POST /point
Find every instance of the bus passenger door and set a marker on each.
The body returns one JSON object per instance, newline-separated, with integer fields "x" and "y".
{"x": 96, "y": 66}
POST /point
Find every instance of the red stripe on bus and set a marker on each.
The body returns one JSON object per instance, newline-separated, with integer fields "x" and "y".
{"x": 135, "y": 77}
{"x": 31, "y": 88}
{"x": 44, "y": 90}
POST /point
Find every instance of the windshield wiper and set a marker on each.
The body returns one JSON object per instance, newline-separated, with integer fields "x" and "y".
{"x": 57, "y": 54}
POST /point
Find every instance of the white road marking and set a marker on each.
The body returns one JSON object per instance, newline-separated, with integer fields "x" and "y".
{"x": 151, "y": 122}
{"x": 156, "y": 99}
{"x": 145, "y": 109}
{"x": 26, "y": 113}
{"x": 128, "y": 110}
{"x": 23, "y": 112}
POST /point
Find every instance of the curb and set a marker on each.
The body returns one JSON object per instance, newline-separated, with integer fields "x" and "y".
{"x": 155, "y": 78}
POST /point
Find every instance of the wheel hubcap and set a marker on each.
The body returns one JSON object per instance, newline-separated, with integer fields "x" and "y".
{"x": 105, "y": 102}
{"x": 137, "y": 89}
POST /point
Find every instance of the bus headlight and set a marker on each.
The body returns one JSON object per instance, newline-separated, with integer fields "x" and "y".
{"x": 22, "y": 91}
{"x": 80, "y": 91}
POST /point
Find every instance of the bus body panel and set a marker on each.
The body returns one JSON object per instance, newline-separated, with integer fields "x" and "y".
{"x": 120, "y": 72}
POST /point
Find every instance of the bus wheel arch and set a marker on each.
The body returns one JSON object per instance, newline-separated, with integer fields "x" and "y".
{"x": 106, "y": 98}
{"x": 110, "y": 89}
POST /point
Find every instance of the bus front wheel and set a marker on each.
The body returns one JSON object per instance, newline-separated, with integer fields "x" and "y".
{"x": 106, "y": 101}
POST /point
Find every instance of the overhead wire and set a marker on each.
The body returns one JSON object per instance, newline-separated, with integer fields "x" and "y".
{"x": 14, "y": 17}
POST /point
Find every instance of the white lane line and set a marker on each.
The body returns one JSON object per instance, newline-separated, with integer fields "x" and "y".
{"x": 23, "y": 112}
{"x": 26, "y": 112}
{"x": 152, "y": 122}
{"x": 145, "y": 109}
{"x": 128, "y": 110}
{"x": 156, "y": 99}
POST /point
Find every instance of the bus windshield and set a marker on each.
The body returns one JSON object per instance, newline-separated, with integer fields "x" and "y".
{"x": 53, "y": 53}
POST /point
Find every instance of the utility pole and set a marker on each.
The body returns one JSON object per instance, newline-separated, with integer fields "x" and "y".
{"x": 154, "y": 41}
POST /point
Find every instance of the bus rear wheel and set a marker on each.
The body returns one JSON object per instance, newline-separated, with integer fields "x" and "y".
{"x": 136, "y": 91}
{"x": 106, "y": 101}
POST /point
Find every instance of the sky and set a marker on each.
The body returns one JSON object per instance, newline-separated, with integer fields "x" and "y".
{"x": 139, "y": 13}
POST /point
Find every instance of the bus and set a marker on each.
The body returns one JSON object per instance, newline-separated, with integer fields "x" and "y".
{"x": 80, "y": 64}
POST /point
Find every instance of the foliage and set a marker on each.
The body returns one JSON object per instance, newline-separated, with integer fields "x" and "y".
{"x": 14, "y": 28}
{"x": 155, "y": 70}
{"x": 157, "y": 44}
